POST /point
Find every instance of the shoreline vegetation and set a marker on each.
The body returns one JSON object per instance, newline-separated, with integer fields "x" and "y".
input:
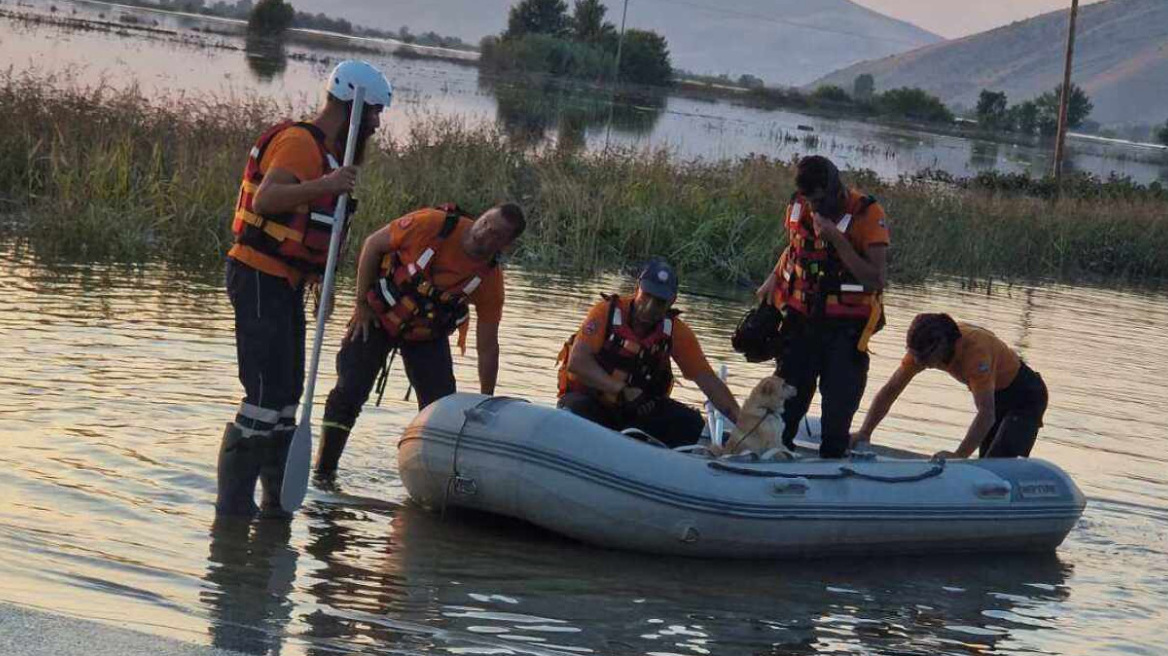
{"x": 102, "y": 174}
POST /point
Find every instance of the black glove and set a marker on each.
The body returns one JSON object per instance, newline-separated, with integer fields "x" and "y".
{"x": 640, "y": 407}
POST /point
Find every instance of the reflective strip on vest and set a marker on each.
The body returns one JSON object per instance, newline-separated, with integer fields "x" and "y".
{"x": 669, "y": 328}
{"x": 332, "y": 161}
{"x": 326, "y": 219}
{"x": 255, "y": 152}
{"x": 844, "y": 223}
{"x": 385, "y": 293}
{"x": 848, "y": 287}
{"x": 472, "y": 285}
{"x": 423, "y": 261}
{"x": 796, "y": 213}
{"x": 616, "y": 317}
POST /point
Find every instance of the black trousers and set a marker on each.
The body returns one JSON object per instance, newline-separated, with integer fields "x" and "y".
{"x": 269, "y": 345}
{"x": 1018, "y": 412}
{"x": 674, "y": 423}
{"x": 428, "y": 365}
{"x": 822, "y": 354}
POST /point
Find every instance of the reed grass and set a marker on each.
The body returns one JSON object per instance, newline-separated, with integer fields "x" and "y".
{"x": 99, "y": 173}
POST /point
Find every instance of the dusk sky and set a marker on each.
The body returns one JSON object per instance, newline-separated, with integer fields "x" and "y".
{"x": 954, "y": 18}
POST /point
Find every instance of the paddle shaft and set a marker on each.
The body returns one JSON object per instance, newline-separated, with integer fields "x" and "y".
{"x": 296, "y": 468}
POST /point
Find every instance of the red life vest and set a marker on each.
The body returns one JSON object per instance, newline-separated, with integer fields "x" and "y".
{"x": 408, "y": 303}
{"x": 639, "y": 361}
{"x": 814, "y": 281}
{"x": 299, "y": 238}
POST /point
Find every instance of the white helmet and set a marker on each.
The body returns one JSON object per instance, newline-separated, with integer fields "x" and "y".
{"x": 352, "y": 73}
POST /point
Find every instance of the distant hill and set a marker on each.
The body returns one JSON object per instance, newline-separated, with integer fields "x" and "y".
{"x": 777, "y": 40}
{"x": 1121, "y": 61}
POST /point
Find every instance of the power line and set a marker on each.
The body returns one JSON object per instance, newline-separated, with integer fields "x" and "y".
{"x": 784, "y": 21}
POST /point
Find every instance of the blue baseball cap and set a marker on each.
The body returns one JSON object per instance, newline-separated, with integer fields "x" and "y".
{"x": 659, "y": 279}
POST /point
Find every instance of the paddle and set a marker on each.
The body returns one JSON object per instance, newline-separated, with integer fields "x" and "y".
{"x": 299, "y": 461}
{"x": 715, "y": 420}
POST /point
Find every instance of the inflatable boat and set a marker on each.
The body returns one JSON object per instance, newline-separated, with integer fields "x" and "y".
{"x": 576, "y": 478}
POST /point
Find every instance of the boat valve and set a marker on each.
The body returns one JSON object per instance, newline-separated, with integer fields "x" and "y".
{"x": 464, "y": 486}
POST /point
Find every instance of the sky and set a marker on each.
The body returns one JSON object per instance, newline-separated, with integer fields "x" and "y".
{"x": 956, "y": 18}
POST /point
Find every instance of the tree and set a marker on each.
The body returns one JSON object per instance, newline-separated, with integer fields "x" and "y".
{"x": 914, "y": 103}
{"x": 1023, "y": 118}
{"x": 830, "y": 93}
{"x": 749, "y": 81}
{"x": 1078, "y": 109}
{"x": 1162, "y": 134}
{"x": 548, "y": 17}
{"x": 864, "y": 87}
{"x": 992, "y": 109}
{"x": 645, "y": 59}
{"x": 588, "y": 24}
{"x": 270, "y": 17}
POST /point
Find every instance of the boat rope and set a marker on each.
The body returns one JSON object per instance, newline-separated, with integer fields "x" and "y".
{"x": 844, "y": 471}
{"x": 455, "y": 475}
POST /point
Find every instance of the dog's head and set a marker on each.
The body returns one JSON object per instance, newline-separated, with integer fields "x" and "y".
{"x": 771, "y": 393}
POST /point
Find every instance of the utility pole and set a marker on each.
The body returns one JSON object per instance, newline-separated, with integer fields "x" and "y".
{"x": 620, "y": 43}
{"x": 1064, "y": 101}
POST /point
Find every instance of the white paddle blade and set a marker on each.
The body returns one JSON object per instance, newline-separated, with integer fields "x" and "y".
{"x": 296, "y": 468}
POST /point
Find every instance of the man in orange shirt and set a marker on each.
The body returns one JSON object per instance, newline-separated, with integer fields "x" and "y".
{"x": 282, "y": 225}
{"x": 1010, "y": 397}
{"x": 416, "y": 279}
{"x": 828, "y": 283}
{"x": 616, "y": 369}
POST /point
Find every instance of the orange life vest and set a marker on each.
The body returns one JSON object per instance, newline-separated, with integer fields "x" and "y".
{"x": 408, "y": 303}
{"x": 814, "y": 281}
{"x": 639, "y": 361}
{"x": 300, "y": 238}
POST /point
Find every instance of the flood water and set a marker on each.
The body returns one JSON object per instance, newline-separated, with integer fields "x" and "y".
{"x": 194, "y": 63}
{"x": 115, "y": 384}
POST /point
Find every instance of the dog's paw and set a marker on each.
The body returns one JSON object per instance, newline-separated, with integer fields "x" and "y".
{"x": 779, "y": 453}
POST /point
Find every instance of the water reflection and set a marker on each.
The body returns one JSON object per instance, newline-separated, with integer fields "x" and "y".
{"x": 266, "y": 56}
{"x": 983, "y": 154}
{"x": 531, "y": 110}
{"x": 251, "y": 570}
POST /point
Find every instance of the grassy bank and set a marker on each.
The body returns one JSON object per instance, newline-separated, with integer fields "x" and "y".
{"x": 103, "y": 174}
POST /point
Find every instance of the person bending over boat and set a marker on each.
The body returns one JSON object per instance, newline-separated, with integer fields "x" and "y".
{"x": 416, "y": 278}
{"x": 282, "y": 224}
{"x": 828, "y": 283}
{"x": 1010, "y": 396}
{"x": 616, "y": 369}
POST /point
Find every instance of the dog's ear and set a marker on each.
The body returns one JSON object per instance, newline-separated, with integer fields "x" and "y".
{"x": 768, "y": 386}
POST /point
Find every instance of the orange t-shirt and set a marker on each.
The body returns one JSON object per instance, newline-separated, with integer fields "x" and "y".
{"x": 981, "y": 361}
{"x": 295, "y": 150}
{"x": 451, "y": 265}
{"x": 686, "y": 351}
{"x": 865, "y": 230}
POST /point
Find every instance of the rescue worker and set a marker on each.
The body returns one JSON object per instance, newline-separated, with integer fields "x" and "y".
{"x": 282, "y": 226}
{"x": 828, "y": 283}
{"x": 1010, "y": 397}
{"x": 616, "y": 369}
{"x": 416, "y": 278}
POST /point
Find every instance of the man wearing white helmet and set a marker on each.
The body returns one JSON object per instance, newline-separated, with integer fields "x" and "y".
{"x": 282, "y": 225}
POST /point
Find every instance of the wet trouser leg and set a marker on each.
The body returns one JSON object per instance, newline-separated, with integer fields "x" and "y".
{"x": 588, "y": 407}
{"x": 841, "y": 387}
{"x": 430, "y": 369}
{"x": 799, "y": 367}
{"x": 1020, "y": 408}
{"x": 673, "y": 423}
{"x": 269, "y": 337}
{"x": 358, "y": 363}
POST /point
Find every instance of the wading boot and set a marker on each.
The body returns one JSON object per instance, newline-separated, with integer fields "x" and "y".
{"x": 328, "y": 456}
{"x": 275, "y": 454}
{"x": 239, "y": 467}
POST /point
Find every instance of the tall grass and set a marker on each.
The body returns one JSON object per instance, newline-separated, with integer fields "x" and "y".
{"x": 105, "y": 174}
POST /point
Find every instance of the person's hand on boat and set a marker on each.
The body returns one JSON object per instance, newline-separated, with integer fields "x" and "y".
{"x": 860, "y": 439}
{"x": 340, "y": 181}
{"x": 364, "y": 319}
{"x": 947, "y": 455}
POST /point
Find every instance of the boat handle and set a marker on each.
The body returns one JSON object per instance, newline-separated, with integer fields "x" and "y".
{"x": 790, "y": 487}
{"x": 995, "y": 490}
